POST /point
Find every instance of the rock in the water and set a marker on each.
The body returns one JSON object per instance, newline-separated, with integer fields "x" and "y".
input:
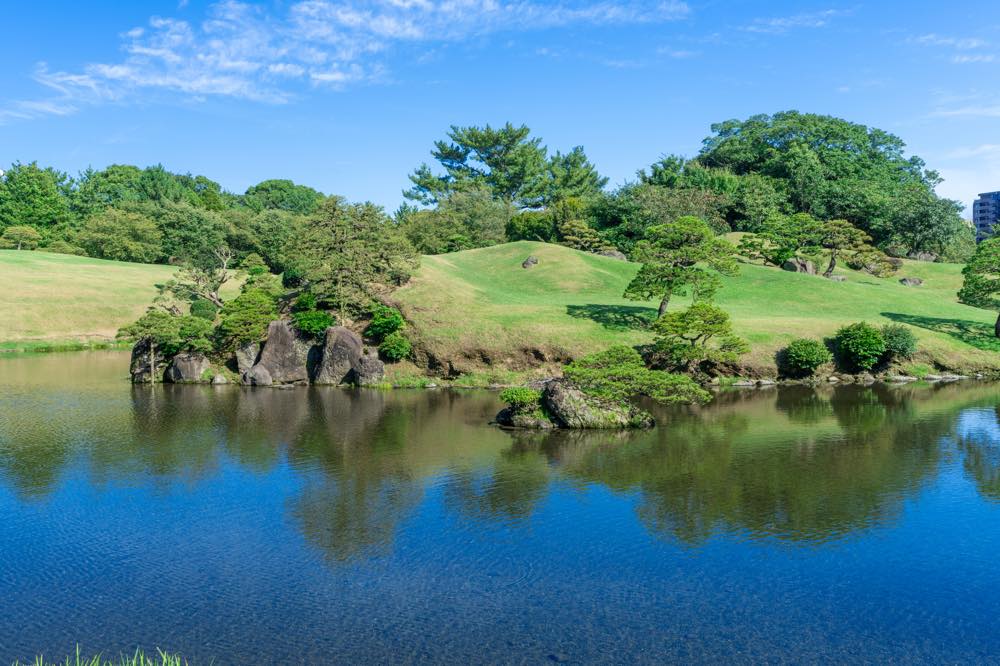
{"x": 796, "y": 265}
{"x": 340, "y": 356}
{"x": 285, "y": 355}
{"x": 219, "y": 380}
{"x": 187, "y": 368}
{"x": 932, "y": 378}
{"x": 744, "y": 383}
{"x": 837, "y": 278}
{"x": 614, "y": 254}
{"x": 246, "y": 356}
{"x": 910, "y": 282}
{"x": 257, "y": 376}
{"x": 511, "y": 418}
{"x": 529, "y": 262}
{"x": 572, "y": 408}
{"x": 143, "y": 364}
{"x": 369, "y": 371}
{"x": 900, "y": 379}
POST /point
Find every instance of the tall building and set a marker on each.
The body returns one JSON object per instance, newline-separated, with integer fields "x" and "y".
{"x": 985, "y": 214}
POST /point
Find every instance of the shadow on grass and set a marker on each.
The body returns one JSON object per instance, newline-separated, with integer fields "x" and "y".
{"x": 973, "y": 333}
{"x": 615, "y": 317}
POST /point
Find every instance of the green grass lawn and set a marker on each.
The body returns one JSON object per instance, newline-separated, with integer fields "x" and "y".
{"x": 53, "y": 299}
{"x": 478, "y": 305}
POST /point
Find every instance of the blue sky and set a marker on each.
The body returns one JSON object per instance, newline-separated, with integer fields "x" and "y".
{"x": 348, "y": 96}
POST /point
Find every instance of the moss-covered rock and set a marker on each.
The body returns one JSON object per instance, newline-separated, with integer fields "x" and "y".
{"x": 570, "y": 407}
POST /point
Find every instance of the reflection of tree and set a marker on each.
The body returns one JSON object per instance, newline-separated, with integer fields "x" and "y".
{"x": 740, "y": 467}
{"x": 979, "y": 441}
{"x": 509, "y": 491}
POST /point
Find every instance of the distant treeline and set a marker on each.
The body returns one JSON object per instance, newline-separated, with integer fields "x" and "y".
{"x": 490, "y": 185}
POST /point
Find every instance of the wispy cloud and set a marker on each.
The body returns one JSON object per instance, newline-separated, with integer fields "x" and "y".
{"x": 245, "y": 51}
{"x": 679, "y": 54}
{"x": 962, "y": 50}
{"x": 970, "y": 111}
{"x": 782, "y": 24}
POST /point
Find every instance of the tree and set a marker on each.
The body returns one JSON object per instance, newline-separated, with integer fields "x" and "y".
{"x": 168, "y": 333}
{"x": 198, "y": 282}
{"x": 244, "y": 319}
{"x": 122, "y": 236}
{"x": 698, "y": 334}
{"x": 34, "y": 197}
{"x": 572, "y": 175}
{"x": 20, "y": 238}
{"x": 282, "y": 195}
{"x": 348, "y": 253}
{"x": 463, "y": 220}
{"x": 191, "y": 236}
{"x": 670, "y": 256}
{"x": 506, "y": 160}
{"x": 840, "y": 237}
{"x": 981, "y": 282}
{"x": 619, "y": 374}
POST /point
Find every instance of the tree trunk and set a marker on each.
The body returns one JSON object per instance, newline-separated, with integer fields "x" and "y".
{"x": 663, "y": 305}
{"x": 996, "y": 327}
{"x": 833, "y": 264}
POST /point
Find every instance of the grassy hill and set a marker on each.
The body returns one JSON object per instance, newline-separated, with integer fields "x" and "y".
{"x": 479, "y": 306}
{"x": 53, "y": 299}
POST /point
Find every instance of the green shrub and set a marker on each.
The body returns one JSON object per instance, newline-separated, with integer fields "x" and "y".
{"x": 803, "y": 355}
{"x": 254, "y": 264}
{"x": 204, "y": 309}
{"x": 395, "y": 347}
{"x": 859, "y": 346}
{"x": 521, "y": 397}
{"x": 385, "y": 321}
{"x": 62, "y": 247}
{"x": 312, "y": 322}
{"x": 619, "y": 373}
{"x": 899, "y": 341}
{"x": 306, "y": 301}
{"x": 245, "y": 318}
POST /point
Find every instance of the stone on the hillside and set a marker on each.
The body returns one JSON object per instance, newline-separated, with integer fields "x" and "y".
{"x": 341, "y": 353}
{"x": 910, "y": 282}
{"x": 570, "y": 407}
{"x": 796, "y": 265}
{"x": 837, "y": 278}
{"x": 529, "y": 262}
{"x": 285, "y": 355}
{"x": 246, "y": 356}
{"x": 369, "y": 371}
{"x": 613, "y": 254}
{"x": 140, "y": 365}
{"x": 187, "y": 368}
{"x": 923, "y": 256}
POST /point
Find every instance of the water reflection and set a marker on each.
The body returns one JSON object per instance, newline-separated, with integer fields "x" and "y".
{"x": 792, "y": 464}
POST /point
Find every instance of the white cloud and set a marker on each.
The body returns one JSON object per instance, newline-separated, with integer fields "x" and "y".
{"x": 243, "y": 51}
{"x": 782, "y": 24}
{"x": 970, "y": 111}
{"x": 965, "y": 59}
{"x": 961, "y": 43}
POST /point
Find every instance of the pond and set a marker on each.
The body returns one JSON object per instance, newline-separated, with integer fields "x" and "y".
{"x": 323, "y": 524}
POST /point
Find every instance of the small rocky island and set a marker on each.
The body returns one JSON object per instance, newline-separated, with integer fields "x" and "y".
{"x": 286, "y": 357}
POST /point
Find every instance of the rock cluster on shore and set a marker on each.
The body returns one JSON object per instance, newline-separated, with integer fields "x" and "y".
{"x": 284, "y": 358}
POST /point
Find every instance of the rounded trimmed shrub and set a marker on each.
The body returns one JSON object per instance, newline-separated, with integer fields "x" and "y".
{"x": 899, "y": 341}
{"x": 395, "y": 347}
{"x": 385, "y": 321}
{"x": 803, "y": 355}
{"x": 312, "y": 322}
{"x": 521, "y": 397}
{"x": 859, "y": 346}
{"x": 305, "y": 302}
{"x": 204, "y": 309}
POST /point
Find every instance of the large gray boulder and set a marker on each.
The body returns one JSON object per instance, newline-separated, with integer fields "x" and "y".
{"x": 516, "y": 418}
{"x": 529, "y": 262}
{"x": 570, "y": 407}
{"x": 613, "y": 254}
{"x": 257, "y": 376}
{"x": 923, "y": 256}
{"x": 796, "y": 265}
{"x": 142, "y": 365}
{"x": 246, "y": 357}
{"x": 285, "y": 357}
{"x": 341, "y": 353}
{"x": 369, "y": 371}
{"x": 910, "y": 282}
{"x": 187, "y": 368}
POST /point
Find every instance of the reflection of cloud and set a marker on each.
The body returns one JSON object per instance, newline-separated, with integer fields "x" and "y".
{"x": 978, "y": 424}
{"x": 246, "y": 52}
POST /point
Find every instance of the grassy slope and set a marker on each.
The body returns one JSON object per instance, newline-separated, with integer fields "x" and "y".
{"x": 58, "y": 298}
{"x": 481, "y": 304}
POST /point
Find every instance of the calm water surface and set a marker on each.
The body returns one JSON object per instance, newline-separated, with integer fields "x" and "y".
{"x": 318, "y": 525}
